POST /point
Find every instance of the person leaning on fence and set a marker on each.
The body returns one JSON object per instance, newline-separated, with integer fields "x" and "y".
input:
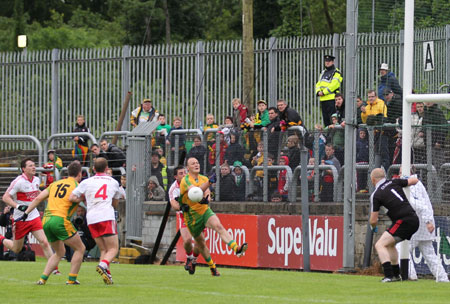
{"x": 155, "y": 191}
{"x": 145, "y": 112}
{"x": 115, "y": 156}
{"x": 329, "y": 84}
{"x": 327, "y": 181}
{"x": 388, "y": 81}
{"x": 81, "y": 142}
{"x": 198, "y": 151}
{"x": 240, "y": 181}
{"x": 288, "y": 116}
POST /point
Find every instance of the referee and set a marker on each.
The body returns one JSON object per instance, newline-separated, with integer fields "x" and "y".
{"x": 389, "y": 193}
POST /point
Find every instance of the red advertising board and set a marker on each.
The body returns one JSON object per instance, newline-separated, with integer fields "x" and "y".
{"x": 276, "y": 241}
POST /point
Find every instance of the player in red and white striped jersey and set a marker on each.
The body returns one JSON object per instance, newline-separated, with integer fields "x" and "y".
{"x": 101, "y": 193}
{"x": 19, "y": 195}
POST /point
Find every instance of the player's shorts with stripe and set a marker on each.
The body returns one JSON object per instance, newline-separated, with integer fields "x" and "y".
{"x": 105, "y": 228}
{"x": 404, "y": 228}
{"x": 58, "y": 228}
{"x": 23, "y": 228}
{"x": 181, "y": 224}
{"x": 197, "y": 222}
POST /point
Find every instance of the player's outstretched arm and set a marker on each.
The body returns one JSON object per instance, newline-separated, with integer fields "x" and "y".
{"x": 41, "y": 197}
{"x": 412, "y": 180}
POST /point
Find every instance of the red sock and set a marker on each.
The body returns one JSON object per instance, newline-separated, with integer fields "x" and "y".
{"x": 2, "y": 238}
{"x": 195, "y": 255}
{"x": 106, "y": 262}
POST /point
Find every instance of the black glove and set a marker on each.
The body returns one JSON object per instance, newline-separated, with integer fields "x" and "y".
{"x": 176, "y": 198}
{"x": 22, "y": 208}
{"x": 22, "y": 218}
{"x": 213, "y": 178}
{"x": 184, "y": 208}
{"x": 205, "y": 200}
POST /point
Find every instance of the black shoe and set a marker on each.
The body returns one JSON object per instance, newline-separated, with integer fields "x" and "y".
{"x": 187, "y": 266}
{"x": 397, "y": 278}
{"x": 193, "y": 264}
{"x": 241, "y": 249}
{"x": 214, "y": 272}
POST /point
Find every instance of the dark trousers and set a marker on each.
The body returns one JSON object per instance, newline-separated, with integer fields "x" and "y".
{"x": 328, "y": 109}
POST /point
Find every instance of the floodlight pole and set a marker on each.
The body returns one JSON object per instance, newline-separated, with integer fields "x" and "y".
{"x": 408, "y": 66}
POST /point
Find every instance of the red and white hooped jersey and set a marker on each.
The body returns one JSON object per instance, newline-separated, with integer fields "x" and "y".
{"x": 24, "y": 191}
{"x": 174, "y": 190}
{"x": 99, "y": 191}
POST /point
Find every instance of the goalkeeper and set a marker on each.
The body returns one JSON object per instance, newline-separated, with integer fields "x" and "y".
{"x": 197, "y": 216}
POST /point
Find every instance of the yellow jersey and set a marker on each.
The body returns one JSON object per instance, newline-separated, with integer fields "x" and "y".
{"x": 186, "y": 182}
{"x": 58, "y": 199}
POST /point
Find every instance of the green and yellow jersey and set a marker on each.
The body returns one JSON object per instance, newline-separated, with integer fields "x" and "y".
{"x": 186, "y": 182}
{"x": 58, "y": 199}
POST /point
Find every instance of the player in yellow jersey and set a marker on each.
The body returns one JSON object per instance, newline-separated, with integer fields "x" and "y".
{"x": 57, "y": 225}
{"x": 197, "y": 216}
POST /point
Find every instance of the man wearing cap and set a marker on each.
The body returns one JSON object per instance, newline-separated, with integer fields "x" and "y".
{"x": 388, "y": 81}
{"x": 145, "y": 112}
{"x": 328, "y": 85}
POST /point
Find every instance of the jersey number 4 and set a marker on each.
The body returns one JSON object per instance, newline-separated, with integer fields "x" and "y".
{"x": 101, "y": 193}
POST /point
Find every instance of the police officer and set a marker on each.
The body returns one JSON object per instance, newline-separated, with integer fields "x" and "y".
{"x": 389, "y": 193}
{"x": 328, "y": 85}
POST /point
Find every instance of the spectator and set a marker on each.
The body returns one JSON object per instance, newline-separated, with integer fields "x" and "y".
{"x": 155, "y": 191}
{"x": 283, "y": 178}
{"x": 181, "y": 143}
{"x": 276, "y": 197}
{"x": 273, "y": 132}
{"x": 288, "y": 116}
{"x": 145, "y": 112}
{"x": 418, "y": 135}
{"x": 322, "y": 141}
{"x": 162, "y": 159}
{"x": 163, "y": 129}
{"x": 223, "y": 147}
{"x": 115, "y": 156}
{"x": 159, "y": 170}
{"x": 374, "y": 107}
{"x": 210, "y": 124}
{"x": 293, "y": 152}
{"x": 54, "y": 162}
{"x": 394, "y": 104}
{"x": 362, "y": 157}
{"x": 240, "y": 181}
{"x": 258, "y": 160}
{"x": 359, "y": 104}
{"x": 96, "y": 153}
{"x": 310, "y": 177}
{"x": 81, "y": 142}
{"x": 226, "y": 128}
{"x": 327, "y": 182}
{"x": 328, "y": 85}
{"x": 339, "y": 102}
{"x": 235, "y": 152}
{"x": 388, "y": 81}
{"x": 434, "y": 116}
{"x": 262, "y": 116}
{"x": 227, "y": 184}
{"x": 272, "y": 175}
{"x": 123, "y": 181}
{"x": 199, "y": 152}
{"x": 336, "y": 136}
{"x": 240, "y": 113}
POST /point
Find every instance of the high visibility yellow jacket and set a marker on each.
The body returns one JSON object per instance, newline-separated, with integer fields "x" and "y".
{"x": 374, "y": 108}
{"x": 329, "y": 83}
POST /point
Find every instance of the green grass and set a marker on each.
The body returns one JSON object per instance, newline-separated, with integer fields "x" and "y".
{"x": 172, "y": 284}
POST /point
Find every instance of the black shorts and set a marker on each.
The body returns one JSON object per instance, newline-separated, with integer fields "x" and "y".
{"x": 405, "y": 227}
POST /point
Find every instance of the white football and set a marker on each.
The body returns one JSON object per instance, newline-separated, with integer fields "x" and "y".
{"x": 195, "y": 194}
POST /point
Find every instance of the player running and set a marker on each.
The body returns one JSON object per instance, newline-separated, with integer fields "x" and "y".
{"x": 19, "y": 195}
{"x": 197, "y": 216}
{"x": 102, "y": 196}
{"x": 389, "y": 193}
{"x": 57, "y": 225}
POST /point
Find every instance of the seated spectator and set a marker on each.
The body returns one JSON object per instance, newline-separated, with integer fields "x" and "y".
{"x": 198, "y": 151}
{"x": 155, "y": 191}
{"x": 327, "y": 182}
{"x": 54, "y": 162}
{"x": 362, "y": 157}
{"x": 181, "y": 143}
{"x": 240, "y": 180}
{"x": 276, "y": 197}
{"x": 235, "y": 152}
{"x": 283, "y": 178}
{"x": 227, "y": 184}
{"x": 212, "y": 153}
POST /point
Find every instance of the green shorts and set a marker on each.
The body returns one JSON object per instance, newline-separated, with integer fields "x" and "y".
{"x": 57, "y": 228}
{"x": 195, "y": 222}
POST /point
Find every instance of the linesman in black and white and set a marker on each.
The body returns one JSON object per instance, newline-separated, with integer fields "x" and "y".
{"x": 389, "y": 194}
{"x": 425, "y": 235}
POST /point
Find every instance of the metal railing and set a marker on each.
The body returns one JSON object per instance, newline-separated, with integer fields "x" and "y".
{"x": 27, "y": 138}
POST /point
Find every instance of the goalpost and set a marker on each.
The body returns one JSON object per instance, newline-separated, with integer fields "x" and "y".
{"x": 408, "y": 100}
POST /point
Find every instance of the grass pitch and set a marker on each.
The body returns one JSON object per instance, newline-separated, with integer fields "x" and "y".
{"x": 172, "y": 284}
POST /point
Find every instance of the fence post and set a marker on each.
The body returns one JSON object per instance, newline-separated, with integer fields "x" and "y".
{"x": 272, "y": 71}
{"x": 447, "y": 59}
{"x": 265, "y": 164}
{"x": 336, "y": 49}
{"x": 55, "y": 89}
{"x": 400, "y": 55}
{"x": 199, "y": 78}
{"x": 126, "y": 83}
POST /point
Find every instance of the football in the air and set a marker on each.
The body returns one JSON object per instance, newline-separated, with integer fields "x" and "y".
{"x": 195, "y": 194}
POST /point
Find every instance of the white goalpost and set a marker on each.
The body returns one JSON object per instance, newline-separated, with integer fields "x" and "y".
{"x": 408, "y": 100}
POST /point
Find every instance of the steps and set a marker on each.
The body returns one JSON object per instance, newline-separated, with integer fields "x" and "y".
{"x": 128, "y": 255}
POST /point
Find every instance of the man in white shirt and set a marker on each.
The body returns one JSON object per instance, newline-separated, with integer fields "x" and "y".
{"x": 19, "y": 196}
{"x": 101, "y": 193}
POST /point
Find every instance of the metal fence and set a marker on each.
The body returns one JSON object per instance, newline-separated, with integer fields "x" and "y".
{"x": 42, "y": 92}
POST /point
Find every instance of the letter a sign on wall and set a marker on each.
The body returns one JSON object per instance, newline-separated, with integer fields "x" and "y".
{"x": 428, "y": 56}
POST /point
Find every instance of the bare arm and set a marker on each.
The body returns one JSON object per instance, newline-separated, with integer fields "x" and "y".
{"x": 41, "y": 197}
{"x": 75, "y": 198}
{"x": 7, "y": 198}
{"x": 115, "y": 203}
{"x": 175, "y": 204}
{"x": 373, "y": 218}
{"x": 412, "y": 181}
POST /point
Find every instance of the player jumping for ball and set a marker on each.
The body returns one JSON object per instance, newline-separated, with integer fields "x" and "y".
{"x": 198, "y": 215}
